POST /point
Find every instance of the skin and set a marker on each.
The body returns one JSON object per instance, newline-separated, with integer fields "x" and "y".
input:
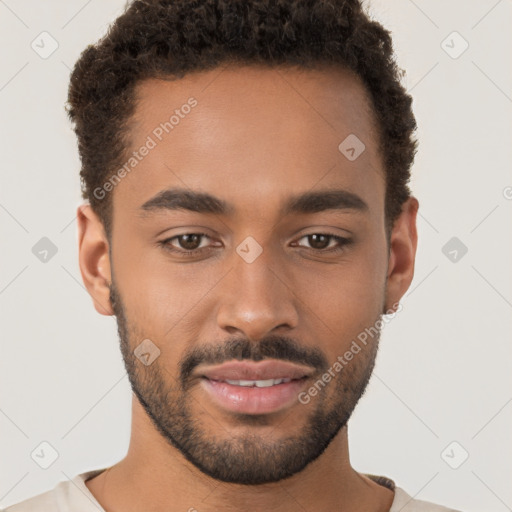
{"x": 255, "y": 138}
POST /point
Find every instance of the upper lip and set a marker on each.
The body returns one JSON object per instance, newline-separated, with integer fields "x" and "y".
{"x": 248, "y": 370}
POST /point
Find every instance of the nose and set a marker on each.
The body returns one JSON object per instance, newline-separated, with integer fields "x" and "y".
{"x": 257, "y": 298}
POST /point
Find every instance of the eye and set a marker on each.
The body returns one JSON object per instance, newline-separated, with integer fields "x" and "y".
{"x": 187, "y": 243}
{"x": 326, "y": 242}
{"x": 192, "y": 243}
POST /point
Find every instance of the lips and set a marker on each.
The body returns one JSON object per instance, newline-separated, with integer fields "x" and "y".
{"x": 252, "y": 399}
{"x": 251, "y": 371}
{"x": 254, "y": 388}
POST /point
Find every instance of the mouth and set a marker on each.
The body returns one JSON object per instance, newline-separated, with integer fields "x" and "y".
{"x": 255, "y": 383}
{"x": 260, "y": 372}
{"x": 254, "y": 396}
{"x": 254, "y": 388}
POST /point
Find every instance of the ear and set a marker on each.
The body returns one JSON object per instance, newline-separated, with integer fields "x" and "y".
{"x": 403, "y": 244}
{"x": 94, "y": 258}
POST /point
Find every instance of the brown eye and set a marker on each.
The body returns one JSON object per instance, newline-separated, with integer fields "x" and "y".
{"x": 189, "y": 242}
{"x": 186, "y": 244}
{"x": 318, "y": 241}
{"x": 322, "y": 242}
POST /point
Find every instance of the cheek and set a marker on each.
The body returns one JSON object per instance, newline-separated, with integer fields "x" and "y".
{"x": 345, "y": 299}
{"x": 351, "y": 289}
{"x": 165, "y": 296}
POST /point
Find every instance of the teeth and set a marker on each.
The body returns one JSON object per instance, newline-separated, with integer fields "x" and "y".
{"x": 258, "y": 383}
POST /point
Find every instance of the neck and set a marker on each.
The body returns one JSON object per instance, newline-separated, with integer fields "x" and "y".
{"x": 155, "y": 475}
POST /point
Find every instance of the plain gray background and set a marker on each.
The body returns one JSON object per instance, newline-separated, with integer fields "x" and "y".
{"x": 443, "y": 372}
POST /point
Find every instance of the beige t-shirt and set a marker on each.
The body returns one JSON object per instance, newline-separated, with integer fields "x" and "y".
{"x": 74, "y": 496}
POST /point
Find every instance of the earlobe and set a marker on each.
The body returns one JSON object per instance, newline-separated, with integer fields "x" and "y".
{"x": 94, "y": 259}
{"x": 403, "y": 245}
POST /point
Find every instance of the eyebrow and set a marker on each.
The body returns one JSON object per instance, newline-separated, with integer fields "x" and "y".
{"x": 201, "y": 202}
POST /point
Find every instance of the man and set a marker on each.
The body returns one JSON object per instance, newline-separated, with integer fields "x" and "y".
{"x": 249, "y": 223}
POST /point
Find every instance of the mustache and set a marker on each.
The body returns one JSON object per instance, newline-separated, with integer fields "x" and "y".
{"x": 271, "y": 347}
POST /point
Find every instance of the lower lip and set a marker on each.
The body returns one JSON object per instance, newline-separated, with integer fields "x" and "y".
{"x": 253, "y": 400}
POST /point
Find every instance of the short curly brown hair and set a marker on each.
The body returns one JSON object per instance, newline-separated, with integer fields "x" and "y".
{"x": 168, "y": 38}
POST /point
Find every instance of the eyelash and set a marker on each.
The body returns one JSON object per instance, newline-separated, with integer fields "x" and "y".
{"x": 342, "y": 244}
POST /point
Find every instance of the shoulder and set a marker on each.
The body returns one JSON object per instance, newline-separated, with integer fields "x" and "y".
{"x": 67, "y": 496}
{"x": 403, "y": 502}
{"x": 44, "y": 501}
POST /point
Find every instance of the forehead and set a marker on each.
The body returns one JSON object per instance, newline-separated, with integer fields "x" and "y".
{"x": 252, "y": 132}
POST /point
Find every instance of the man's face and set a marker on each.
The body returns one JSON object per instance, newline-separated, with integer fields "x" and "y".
{"x": 260, "y": 282}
